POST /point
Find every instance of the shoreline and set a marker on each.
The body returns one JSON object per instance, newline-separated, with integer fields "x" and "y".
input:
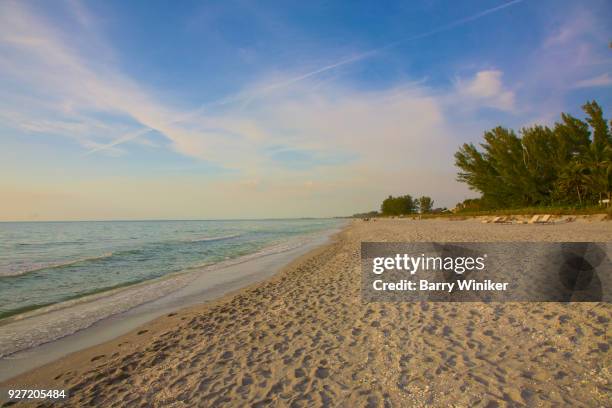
{"x": 304, "y": 336}
{"x": 35, "y": 310}
{"x": 228, "y": 277}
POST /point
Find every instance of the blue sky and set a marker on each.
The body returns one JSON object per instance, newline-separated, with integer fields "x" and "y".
{"x": 119, "y": 110}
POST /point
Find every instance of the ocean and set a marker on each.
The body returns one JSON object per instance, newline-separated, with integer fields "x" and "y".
{"x": 46, "y": 263}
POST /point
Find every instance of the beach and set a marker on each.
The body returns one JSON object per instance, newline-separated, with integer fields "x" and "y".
{"x": 305, "y": 337}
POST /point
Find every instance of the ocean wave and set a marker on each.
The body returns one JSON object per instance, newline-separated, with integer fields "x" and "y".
{"x": 46, "y": 243}
{"x": 269, "y": 249}
{"x": 19, "y": 270}
{"x": 51, "y": 265}
{"x": 49, "y": 322}
{"x": 211, "y": 239}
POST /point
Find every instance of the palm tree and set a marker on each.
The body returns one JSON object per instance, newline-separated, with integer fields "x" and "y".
{"x": 597, "y": 168}
{"x": 572, "y": 179}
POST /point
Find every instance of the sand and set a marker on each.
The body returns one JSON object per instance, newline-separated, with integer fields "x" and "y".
{"x": 305, "y": 338}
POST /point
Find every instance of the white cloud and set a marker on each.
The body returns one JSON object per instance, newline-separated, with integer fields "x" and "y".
{"x": 486, "y": 89}
{"x": 57, "y": 85}
{"x": 70, "y": 90}
{"x": 575, "y": 49}
{"x": 597, "y": 81}
{"x": 356, "y": 140}
{"x": 580, "y": 24}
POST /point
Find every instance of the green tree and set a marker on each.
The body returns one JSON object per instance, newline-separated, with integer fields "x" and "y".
{"x": 601, "y": 134}
{"x": 570, "y": 162}
{"x": 425, "y": 204}
{"x": 498, "y": 171}
{"x": 596, "y": 160}
{"x": 571, "y": 183}
{"x": 471, "y": 204}
{"x": 398, "y": 205}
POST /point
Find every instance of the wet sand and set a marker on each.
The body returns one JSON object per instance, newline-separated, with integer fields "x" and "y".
{"x": 305, "y": 338}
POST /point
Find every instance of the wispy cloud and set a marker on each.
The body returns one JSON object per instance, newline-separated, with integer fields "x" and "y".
{"x": 48, "y": 80}
{"x": 596, "y": 81}
{"x": 573, "y": 49}
{"x": 332, "y": 125}
{"x": 246, "y": 97}
{"x": 58, "y": 69}
{"x": 283, "y": 134}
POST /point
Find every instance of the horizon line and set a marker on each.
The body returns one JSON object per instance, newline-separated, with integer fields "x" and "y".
{"x": 184, "y": 219}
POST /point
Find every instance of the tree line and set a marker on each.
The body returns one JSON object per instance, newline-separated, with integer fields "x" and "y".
{"x": 568, "y": 163}
{"x": 405, "y": 204}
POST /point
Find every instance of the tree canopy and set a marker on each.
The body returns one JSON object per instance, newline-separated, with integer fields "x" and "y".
{"x": 425, "y": 204}
{"x": 570, "y": 163}
{"x": 398, "y": 205}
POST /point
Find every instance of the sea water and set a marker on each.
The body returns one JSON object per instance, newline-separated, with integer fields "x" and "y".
{"x": 46, "y": 263}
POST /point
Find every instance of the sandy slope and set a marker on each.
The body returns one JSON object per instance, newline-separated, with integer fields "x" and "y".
{"x": 305, "y": 338}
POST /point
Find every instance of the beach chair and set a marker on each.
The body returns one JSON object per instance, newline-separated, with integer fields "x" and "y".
{"x": 533, "y": 219}
{"x": 545, "y": 219}
{"x": 496, "y": 220}
{"x": 485, "y": 220}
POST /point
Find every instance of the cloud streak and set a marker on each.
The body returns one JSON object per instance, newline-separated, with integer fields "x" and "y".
{"x": 248, "y": 97}
{"x": 328, "y": 142}
{"x": 597, "y": 81}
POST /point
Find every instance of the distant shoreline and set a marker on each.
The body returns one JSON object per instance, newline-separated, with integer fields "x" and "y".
{"x": 596, "y": 215}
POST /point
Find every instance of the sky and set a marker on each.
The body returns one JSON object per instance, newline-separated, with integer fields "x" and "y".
{"x": 271, "y": 109}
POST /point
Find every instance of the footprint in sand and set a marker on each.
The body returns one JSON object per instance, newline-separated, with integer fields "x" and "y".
{"x": 322, "y": 372}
